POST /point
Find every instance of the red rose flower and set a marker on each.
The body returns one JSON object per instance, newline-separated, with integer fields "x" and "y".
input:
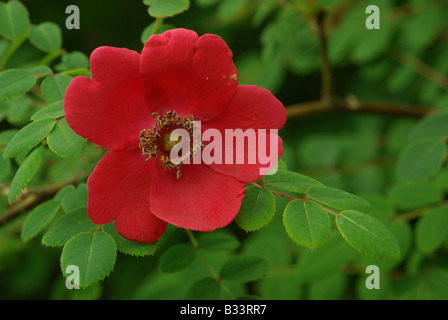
{"x": 131, "y": 105}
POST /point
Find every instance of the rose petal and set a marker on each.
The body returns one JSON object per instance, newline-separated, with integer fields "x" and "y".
{"x": 192, "y": 75}
{"x": 200, "y": 199}
{"x": 119, "y": 190}
{"x": 254, "y": 108}
{"x": 109, "y": 109}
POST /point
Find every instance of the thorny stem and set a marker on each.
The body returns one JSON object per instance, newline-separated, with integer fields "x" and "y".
{"x": 207, "y": 264}
{"x": 291, "y": 197}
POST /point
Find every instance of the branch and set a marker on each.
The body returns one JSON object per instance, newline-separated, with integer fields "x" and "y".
{"x": 327, "y": 79}
{"x": 33, "y": 199}
{"x": 352, "y": 104}
{"x": 422, "y": 68}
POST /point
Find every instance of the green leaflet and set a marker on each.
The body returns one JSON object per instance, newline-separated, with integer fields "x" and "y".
{"x": 74, "y": 199}
{"x": 14, "y": 82}
{"x": 64, "y": 142}
{"x": 244, "y": 268}
{"x": 291, "y": 181}
{"x": 66, "y": 227}
{"x": 367, "y": 235}
{"x": 39, "y": 218}
{"x": 53, "y": 110}
{"x": 257, "y": 209}
{"x": 25, "y": 173}
{"x": 14, "y": 20}
{"x": 431, "y": 229}
{"x": 177, "y": 258}
{"x": 28, "y": 137}
{"x": 433, "y": 126}
{"x": 307, "y": 223}
{"x": 214, "y": 241}
{"x": 204, "y": 289}
{"x": 54, "y": 87}
{"x": 46, "y": 36}
{"x": 337, "y": 199}
{"x": 162, "y": 9}
{"x": 421, "y": 159}
{"x": 94, "y": 253}
{"x": 415, "y": 194}
{"x": 126, "y": 246}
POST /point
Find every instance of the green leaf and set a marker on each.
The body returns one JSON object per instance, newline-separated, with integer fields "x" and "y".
{"x": 257, "y": 209}
{"x": 62, "y": 193}
{"x": 432, "y": 229}
{"x": 46, "y": 36}
{"x": 39, "y": 218}
{"x": 126, "y": 246}
{"x": 163, "y": 9}
{"x": 367, "y": 235}
{"x": 328, "y": 259}
{"x": 73, "y": 60}
{"x": 291, "y": 181}
{"x": 93, "y": 253}
{"x": 413, "y": 195}
{"x": 433, "y": 126}
{"x": 28, "y": 137}
{"x": 338, "y": 199}
{"x": 421, "y": 159}
{"x": 177, "y": 258}
{"x": 67, "y": 226}
{"x": 41, "y": 70}
{"x": 279, "y": 287}
{"x": 25, "y": 173}
{"x": 329, "y": 288}
{"x": 214, "y": 241}
{"x": 14, "y": 20}
{"x": 19, "y": 110}
{"x": 307, "y": 223}
{"x": 75, "y": 199}
{"x": 54, "y": 110}
{"x": 244, "y": 268}
{"x": 64, "y": 142}
{"x": 14, "y": 82}
{"x": 204, "y": 289}
{"x": 435, "y": 284}
{"x": 54, "y": 87}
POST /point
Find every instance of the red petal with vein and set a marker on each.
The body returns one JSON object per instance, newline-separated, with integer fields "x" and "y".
{"x": 190, "y": 74}
{"x": 119, "y": 190}
{"x": 109, "y": 109}
{"x": 251, "y": 109}
{"x": 201, "y": 199}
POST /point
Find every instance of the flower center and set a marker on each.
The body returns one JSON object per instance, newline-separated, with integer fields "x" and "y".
{"x": 157, "y": 142}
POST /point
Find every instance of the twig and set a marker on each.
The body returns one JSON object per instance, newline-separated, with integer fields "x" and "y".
{"x": 207, "y": 264}
{"x": 421, "y": 68}
{"x": 33, "y": 199}
{"x": 352, "y": 104}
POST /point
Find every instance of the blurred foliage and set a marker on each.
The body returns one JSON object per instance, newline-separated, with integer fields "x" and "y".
{"x": 276, "y": 45}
